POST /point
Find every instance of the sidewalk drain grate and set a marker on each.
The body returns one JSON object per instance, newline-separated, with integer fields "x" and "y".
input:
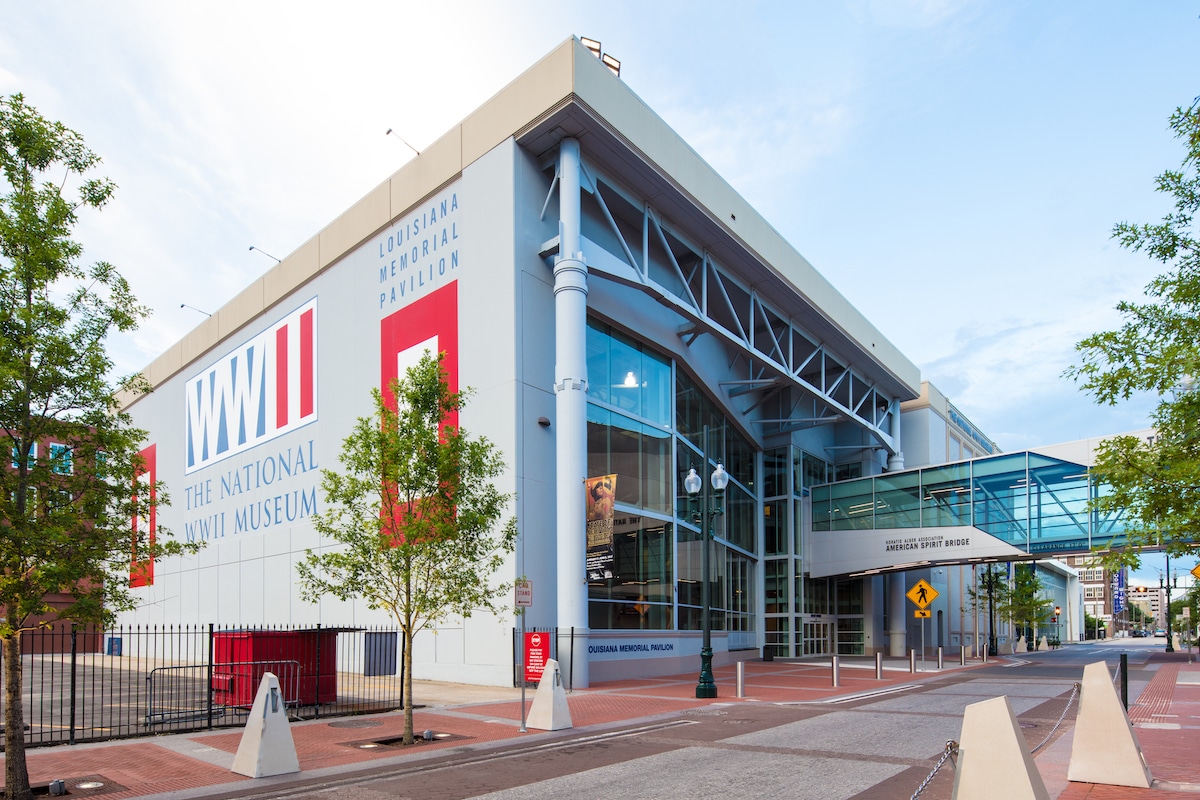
{"x": 79, "y": 786}
{"x": 395, "y": 742}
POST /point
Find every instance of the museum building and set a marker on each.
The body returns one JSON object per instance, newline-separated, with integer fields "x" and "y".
{"x": 622, "y": 317}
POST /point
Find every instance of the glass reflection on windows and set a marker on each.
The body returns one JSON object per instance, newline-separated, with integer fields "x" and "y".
{"x": 624, "y": 375}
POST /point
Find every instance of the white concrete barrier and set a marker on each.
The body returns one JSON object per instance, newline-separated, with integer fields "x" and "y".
{"x": 993, "y": 760}
{"x": 267, "y": 747}
{"x": 550, "y": 711}
{"x": 1105, "y": 748}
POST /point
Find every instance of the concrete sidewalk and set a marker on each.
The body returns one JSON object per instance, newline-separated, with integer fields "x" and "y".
{"x": 198, "y": 764}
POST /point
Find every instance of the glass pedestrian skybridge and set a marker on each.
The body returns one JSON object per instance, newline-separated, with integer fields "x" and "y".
{"x": 1033, "y": 502}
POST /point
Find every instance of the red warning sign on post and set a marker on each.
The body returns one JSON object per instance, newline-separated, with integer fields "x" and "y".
{"x": 537, "y": 652}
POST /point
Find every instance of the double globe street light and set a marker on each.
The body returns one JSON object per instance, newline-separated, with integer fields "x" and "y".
{"x": 703, "y": 513}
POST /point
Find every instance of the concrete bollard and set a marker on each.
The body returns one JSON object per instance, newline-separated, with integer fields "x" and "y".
{"x": 266, "y": 747}
{"x": 550, "y": 711}
{"x": 993, "y": 759}
{"x": 1105, "y": 748}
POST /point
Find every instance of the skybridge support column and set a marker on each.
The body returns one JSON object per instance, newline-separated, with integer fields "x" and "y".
{"x": 570, "y": 388}
{"x": 896, "y": 460}
{"x": 897, "y": 615}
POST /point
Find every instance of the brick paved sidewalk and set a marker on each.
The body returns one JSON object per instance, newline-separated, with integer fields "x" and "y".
{"x": 136, "y": 768}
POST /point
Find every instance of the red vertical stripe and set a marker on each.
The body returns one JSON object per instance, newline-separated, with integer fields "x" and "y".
{"x": 306, "y": 363}
{"x": 281, "y": 377}
{"x": 141, "y": 572}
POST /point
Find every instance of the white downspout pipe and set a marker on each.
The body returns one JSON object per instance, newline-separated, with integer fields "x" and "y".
{"x": 570, "y": 388}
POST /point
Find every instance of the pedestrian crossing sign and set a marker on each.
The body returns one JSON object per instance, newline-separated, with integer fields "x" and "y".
{"x": 922, "y": 594}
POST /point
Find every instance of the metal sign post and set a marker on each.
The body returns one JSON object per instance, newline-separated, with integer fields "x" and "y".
{"x": 1186, "y": 616}
{"x": 922, "y": 594}
{"x": 524, "y": 597}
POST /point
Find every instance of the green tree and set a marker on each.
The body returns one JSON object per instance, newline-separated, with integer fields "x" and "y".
{"x": 1138, "y": 617}
{"x": 1025, "y": 606}
{"x": 990, "y": 596}
{"x": 1155, "y": 483}
{"x": 414, "y": 511}
{"x": 67, "y": 500}
{"x": 1092, "y": 626}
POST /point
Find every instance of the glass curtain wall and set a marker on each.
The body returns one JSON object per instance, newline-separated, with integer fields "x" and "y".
{"x": 1034, "y": 502}
{"x": 788, "y": 474}
{"x": 646, "y": 426}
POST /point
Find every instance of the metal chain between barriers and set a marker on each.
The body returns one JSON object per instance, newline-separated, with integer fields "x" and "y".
{"x": 1061, "y": 717}
{"x": 952, "y": 746}
{"x": 950, "y": 752}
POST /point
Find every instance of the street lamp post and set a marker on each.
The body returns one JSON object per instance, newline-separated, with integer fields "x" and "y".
{"x": 989, "y": 583}
{"x": 703, "y": 514}
{"x": 1167, "y": 612}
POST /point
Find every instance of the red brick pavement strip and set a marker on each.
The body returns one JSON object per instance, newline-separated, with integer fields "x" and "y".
{"x": 1155, "y": 699}
{"x": 141, "y": 767}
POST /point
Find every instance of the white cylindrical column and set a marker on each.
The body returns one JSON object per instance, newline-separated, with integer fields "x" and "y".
{"x": 570, "y": 387}
{"x": 896, "y": 460}
{"x": 897, "y": 621}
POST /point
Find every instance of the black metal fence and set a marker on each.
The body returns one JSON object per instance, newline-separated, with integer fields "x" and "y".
{"x": 84, "y": 685}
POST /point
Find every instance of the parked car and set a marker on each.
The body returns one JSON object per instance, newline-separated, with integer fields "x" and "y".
{"x": 1160, "y": 632}
{"x": 1138, "y": 634}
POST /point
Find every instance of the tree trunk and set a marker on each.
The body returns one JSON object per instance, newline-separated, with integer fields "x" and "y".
{"x": 16, "y": 773}
{"x": 407, "y": 688}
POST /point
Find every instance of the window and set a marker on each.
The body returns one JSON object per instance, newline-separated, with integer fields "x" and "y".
{"x": 624, "y": 375}
{"x": 815, "y": 471}
{"x": 638, "y": 454}
{"x": 776, "y": 532}
{"x": 641, "y": 589}
{"x": 16, "y": 455}
{"x": 61, "y": 459}
{"x": 775, "y": 575}
{"x": 775, "y": 466}
{"x": 846, "y": 472}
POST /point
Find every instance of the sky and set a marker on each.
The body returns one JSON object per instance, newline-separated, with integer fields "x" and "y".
{"x": 953, "y": 167}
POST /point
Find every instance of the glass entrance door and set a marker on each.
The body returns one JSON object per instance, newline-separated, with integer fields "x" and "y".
{"x": 816, "y": 638}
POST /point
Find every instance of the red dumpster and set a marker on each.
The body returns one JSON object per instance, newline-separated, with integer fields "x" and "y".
{"x": 305, "y": 661}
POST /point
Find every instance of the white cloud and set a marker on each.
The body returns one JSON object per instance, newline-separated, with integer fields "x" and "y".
{"x": 966, "y": 234}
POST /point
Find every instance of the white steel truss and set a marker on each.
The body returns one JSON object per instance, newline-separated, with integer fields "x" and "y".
{"x": 773, "y": 351}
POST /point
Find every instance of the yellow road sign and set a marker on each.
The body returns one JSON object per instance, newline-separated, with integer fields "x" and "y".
{"x": 922, "y": 613}
{"x": 1196, "y": 571}
{"x": 922, "y": 593}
